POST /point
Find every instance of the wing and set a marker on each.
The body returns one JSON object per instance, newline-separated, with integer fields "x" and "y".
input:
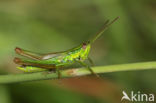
{"x": 51, "y": 55}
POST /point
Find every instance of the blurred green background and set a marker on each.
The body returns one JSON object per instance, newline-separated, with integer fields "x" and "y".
{"x": 55, "y": 25}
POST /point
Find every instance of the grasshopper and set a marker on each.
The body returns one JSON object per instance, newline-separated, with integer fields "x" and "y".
{"x": 57, "y": 60}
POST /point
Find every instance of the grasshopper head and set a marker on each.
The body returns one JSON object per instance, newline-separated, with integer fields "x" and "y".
{"x": 85, "y": 45}
{"x": 85, "y": 49}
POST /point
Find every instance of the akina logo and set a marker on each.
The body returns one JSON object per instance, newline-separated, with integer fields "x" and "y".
{"x": 140, "y": 97}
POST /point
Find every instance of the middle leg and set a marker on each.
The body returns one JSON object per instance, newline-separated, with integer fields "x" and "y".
{"x": 88, "y": 67}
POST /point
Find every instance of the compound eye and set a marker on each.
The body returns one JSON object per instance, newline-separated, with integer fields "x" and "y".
{"x": 84, "y": 46}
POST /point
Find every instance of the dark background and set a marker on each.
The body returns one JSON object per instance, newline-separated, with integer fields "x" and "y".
{"x": 55, "y": 25}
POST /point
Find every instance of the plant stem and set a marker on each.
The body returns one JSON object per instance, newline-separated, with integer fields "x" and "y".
{"x": 16, "y": 78}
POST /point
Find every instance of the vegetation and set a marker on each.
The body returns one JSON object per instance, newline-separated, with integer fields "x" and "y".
{"x": 51, "y": 25}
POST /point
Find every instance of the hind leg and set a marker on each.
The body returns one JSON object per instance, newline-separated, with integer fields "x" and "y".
{"x": 28, "y": 54}
{"x": 35, "y": 63}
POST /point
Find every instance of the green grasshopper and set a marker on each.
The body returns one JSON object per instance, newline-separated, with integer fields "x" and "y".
{"x": 57, "y": 60}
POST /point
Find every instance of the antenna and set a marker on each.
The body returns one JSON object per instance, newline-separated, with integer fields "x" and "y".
{"x": 106, "y": 25}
